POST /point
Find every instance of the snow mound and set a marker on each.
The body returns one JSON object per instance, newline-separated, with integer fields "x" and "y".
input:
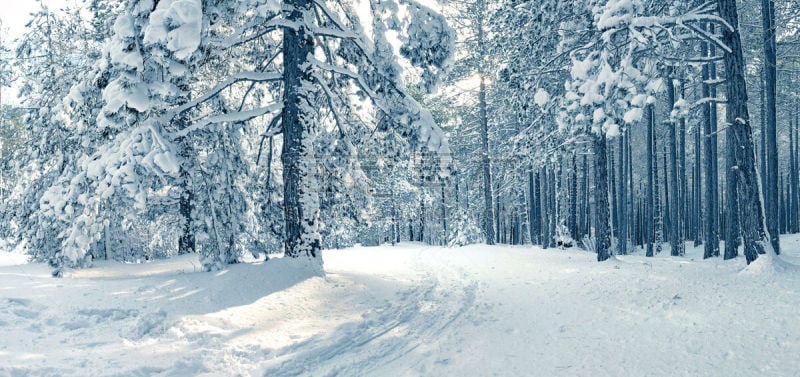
{"x": 770, "y": 265}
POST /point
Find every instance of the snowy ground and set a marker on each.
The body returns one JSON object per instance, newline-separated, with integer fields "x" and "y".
{"x": 410, "y": 310}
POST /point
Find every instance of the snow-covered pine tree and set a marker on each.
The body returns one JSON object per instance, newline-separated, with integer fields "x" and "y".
{"x": 48, "y": 66}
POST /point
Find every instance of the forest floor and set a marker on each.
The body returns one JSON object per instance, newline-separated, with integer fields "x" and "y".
{"x": 410, "y": 310}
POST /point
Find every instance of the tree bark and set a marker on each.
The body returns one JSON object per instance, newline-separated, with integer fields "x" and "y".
{"x": 738, "y": 119}
{"x": 770, "y": 73}
{"x": 649, "y": 228}
{"x": 301, "y": 202}
{"x": 602, "y": 218}
{"x": 711, "y": 242}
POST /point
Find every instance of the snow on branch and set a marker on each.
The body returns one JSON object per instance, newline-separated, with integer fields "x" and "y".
{"x": 242, "y": 76}
{"x": 239, "y": 116}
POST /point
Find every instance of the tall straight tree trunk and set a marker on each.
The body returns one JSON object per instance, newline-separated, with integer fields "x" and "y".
{"x": 573, "y": 200}
{"x": 444, "y": 215}
{"x": 488, "y": 215}
{"x": 623, "y": 197}
{"x": 300, "y": 199}
{"x": 546, "y": 236}
{"x": 602, "y": 218}
{"x": 554, "y": 211}
{"x": 770, "y": 73}
{"x": 792, "y": 202}
{"x": 531, "y": 209}
{"x": 763, "y": 138}
{"x": 697, "y": 233}
{"x": 751, "y": 215}
{"x": 422, "y": 215}
{"x": 667, "y": 214}
{"x": 796, "y": 175}
{"x": 782, "y": 205}
{"x": 186, "y": 242}
{"x": 732, "y": 200}
{"x": 684, "y": 185}
{"x": 629, "y": 175}
{"x": 709, "y": 133}
{"x": 649, "y": 225}
{"x": 555, "y": 188}
{"x": 658, "y": 220}
{"x": 586, "y": 213}
{"x": 612, "y": 188}
{"x": 675, "y": 240}
{"x": 498, "y": 215}
{"x": 795, "y": 178}
{"x": 538, "y": 207}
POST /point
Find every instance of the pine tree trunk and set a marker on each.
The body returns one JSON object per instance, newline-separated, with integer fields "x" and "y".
{"x": 531, "y": 209}
{"x": 667, "y": 214}
{"x": 709, "y": 133}
{"x": 300, "y": 198}
{"x": 752, "y": 217}
{"x": 623, "y": 199}
{"x": 792, "y": 202}
{"x": 546, "y": 236}
{"x": 538, "y": 208}
{"x": 795, "y": 178}
{"x": 763, "y": 147}
{"x": 444, "y": 215}
{"x": 697, "y": 233}
{"x": 573, "y": 200}
{"x": 585, "y": 209}
{"x": 186, "y": 242}
{"x": 612, "y": 188}
{"x": 770, "y": 69}
{"x": 631, "y": 197}
{"x": 649, "y": 228}
{"x": 732, "y": 200}
{"x": 554, "y": 212}
{"x": 684, "y": 185}
{"x": 676, "y": 242}
{"x": 602, "y": 218}
{"x": 488, "y": 215}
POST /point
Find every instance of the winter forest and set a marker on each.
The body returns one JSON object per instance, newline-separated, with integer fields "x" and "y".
{"x": 496, "y": 187}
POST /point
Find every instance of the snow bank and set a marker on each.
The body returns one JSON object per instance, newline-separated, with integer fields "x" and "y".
{"x": 411, "y": 310}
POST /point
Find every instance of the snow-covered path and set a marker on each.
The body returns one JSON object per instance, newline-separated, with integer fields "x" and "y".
{"x": 410, "y": 310}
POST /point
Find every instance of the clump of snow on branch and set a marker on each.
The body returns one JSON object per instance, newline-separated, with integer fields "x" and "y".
{"x": 611, "y": 78}
{"x": 176, "y": 23}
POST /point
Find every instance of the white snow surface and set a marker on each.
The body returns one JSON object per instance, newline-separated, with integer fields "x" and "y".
{"x": 410, "y": 310}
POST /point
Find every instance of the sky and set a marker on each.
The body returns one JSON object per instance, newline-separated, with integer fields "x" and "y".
{"x": 16, "y": 13}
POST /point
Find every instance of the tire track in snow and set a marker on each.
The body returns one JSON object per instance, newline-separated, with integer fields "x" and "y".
{"x": 416, "y": 320}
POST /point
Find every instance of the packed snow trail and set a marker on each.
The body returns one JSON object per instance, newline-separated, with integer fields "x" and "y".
{"x": 410, "y": 310}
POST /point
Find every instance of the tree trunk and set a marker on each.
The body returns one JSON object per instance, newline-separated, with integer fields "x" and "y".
{"x": 602, "y": 218}
{"x": 697, "y": 233}
{"x": 300, "y": 199}
{"x": 649, "y": 228}
{"x": 752, "y": 217}
{"x": 684, "y": 185}
{"x": 573, "y": 200}
{"x": 622, "y": 217}
{"x": 612, "y": 188}
{"x": 546, "y": 236}
{"x": 732, "y": 200}
{"x": 795, "y": 178}
{"x": 770, "y": 73}
{"x": 792, "y": 202}
{"x": 709, "y": 133}
{"x": 186, "y": 242}
{"x": 675, "y": 239}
